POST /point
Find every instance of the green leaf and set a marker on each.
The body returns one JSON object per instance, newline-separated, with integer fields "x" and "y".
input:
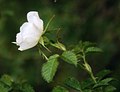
{"x": 87, "y": 83}
{"x": 3, "y": 89}
{"x": 59, "y": 46}
{"x": 50, "y": 67}
{"x": 59, "y": 89}
{"x": 109, "y": 89}
{"x": 87, "y": 44}
{"x": 72, "y": 82}
{"x": 80, "y": 47}
{"x": 93, "y": 49}
{"x": 6, "y": 80}
{"x": 87, "y": 90}
{"x": 70, "y": 57}
{"x": 103, "y": 82}
{"x": 27, "y": 88}
{"x": 102, "y": 74}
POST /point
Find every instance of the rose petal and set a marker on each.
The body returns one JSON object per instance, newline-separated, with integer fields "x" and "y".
{"x": 27, "y": 44}
{"x": 30, "y": 36}
{"x": 28, "y": 29}
{"x": 30, "y": 32}
{"x": 18, "y": 38}
{"x": 34, "y": 18}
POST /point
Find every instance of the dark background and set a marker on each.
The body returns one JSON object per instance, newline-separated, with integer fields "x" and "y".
{"x": 87, "y": 20}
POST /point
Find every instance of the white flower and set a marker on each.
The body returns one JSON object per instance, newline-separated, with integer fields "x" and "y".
{"x": 30, "y": 32}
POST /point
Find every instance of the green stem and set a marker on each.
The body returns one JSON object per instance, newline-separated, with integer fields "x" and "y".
{"x": 42, "y": 53}
{"x": 88, "y": 68}
{"x": 81, "y": 90}
{"x": 92, "y": 76}
{"x": 48, "y": 24}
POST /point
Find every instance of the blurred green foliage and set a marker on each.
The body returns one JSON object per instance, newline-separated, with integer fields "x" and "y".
{"x": 88, "y": 20}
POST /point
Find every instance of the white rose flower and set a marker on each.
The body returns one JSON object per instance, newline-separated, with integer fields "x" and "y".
{"x": 30, "y": 32}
